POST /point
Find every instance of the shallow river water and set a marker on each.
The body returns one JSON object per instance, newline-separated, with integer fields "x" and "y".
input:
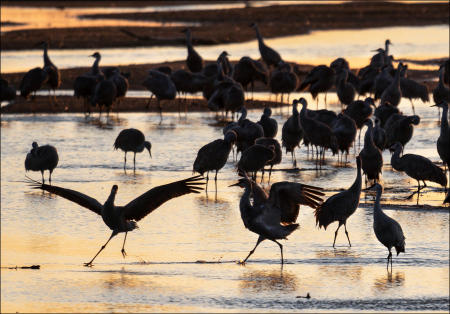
{"x": 162, "y": 272}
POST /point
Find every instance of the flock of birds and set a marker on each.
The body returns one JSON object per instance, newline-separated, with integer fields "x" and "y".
{"x": 272, "y": 217}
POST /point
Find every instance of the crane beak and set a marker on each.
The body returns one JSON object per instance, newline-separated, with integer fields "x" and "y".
{"x": 236, "y": 184}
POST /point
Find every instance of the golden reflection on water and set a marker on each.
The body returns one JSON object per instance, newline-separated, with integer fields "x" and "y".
{"x": 389, "y": 281}
{"x": 257, "y": 281}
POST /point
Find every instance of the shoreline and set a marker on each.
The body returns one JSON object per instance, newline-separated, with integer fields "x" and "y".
{"x": 231, "y": 25}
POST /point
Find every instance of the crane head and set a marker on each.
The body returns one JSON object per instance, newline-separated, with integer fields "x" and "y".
{"x": 114, "y": 189}
{"x": 95, "y": 55}
{"x": 396, "y": 146}
{"x": 148, "y": 146}
{"x": 267, "y": 111}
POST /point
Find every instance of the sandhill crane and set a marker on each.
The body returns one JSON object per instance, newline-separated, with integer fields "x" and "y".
{"x": 345, "y": 131}
{"x": 399, "y": 128}
{"x": 194, "y": 61}
{"x": 7, "y": 92}
{"x": 42, "y": 158}
{"x": 379, "y": 135}
{"x": 84, "y": 85}
{"x": 269, "y": 124}
{"x": 120, "y": 80}
{"x": 371, "y": 157}
{"x": 383, "y": 80}
{"x": 387, "y": 230}
{"x": 384, "y": 111}
{"x": 441, "y": 92}
{"x": 188, "y": 82}
{"x": 247, "y": 131}
{"x": 164, "y": 69}
{"x": 340, "y": 64}
{"x": 229, "y": 96}
{"x": 283, "y": 80}
{"x": 320, "y": 79}
{"x": 270, "y": 142}
{"x": 54, "y": 77}
{"x": 269, "y": 55}
{"x": 393, "y": 93}
{"x": 123, "y": 218}
{"x": 160, "y": 85}
{"x": 214, "y": 155}
{"x": 443, "y": 142}
{"x": 292, "y": 132}
{"x": 417, "y": 167}
{"x": 32, "y": 82}
{"x": 318, "y": 134}
{"x": 345, "y": 90}
{"x": 247, "y": 71}
{"x": 132, "y": 140}
{"x": 360, "y": 111}
{"x": 339, "y": 207}
{"x": 273, "y": 217}
{"x": 413, "y": 90}
{"x": 255, "y": 158}
{"x": 104, "y": 95}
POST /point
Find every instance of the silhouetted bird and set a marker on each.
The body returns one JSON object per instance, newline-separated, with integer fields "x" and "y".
{"x": 387, "y": 230}
{"x": 104, "y": 95}
{"x": 443, "y": 142}
{"x": 384, "y": 111}
{"x": 345, "y": 90}
{"x": 84, "y": 85}
{"x": 340, "y": 64}
{"x": 273, "y": 217}
{"x": 399, "y": 128}
{"x": 269, "y": 124}
{"x": 269, "y": 56}
{"x": 413, "y": 90}
{"x": 283, "y": 80}
{"x": 132, "y": 140}
{"x": 318, "y": 134}
{"x": 160, "y": 85}
{"x": 54, "y": 77}
{"x": 320, "y": 79}
{"x": 247, "y": 71}
{"x": 188, "y": 83}
{"x": 339, "y": 207}
{"x": 441, "y": 92}
{"x": 371, "y": 157}
{"x": 120, "y": 80}
{"x": 123, "y": 218}
{"x": 214, "y": 155}
{"x": 270, "y": 142}
{"x": 7, "y": 92}
{"x": 379, "y": 135}
{"x": 383, "y": 80}
{"x": 393, "y": 93}
{"x": 417, "y": 167}
{"x": 345, "y": 131}
{"x": 42, "y": 158}
{"x": 292, "y": 132}
{"x": 255, "y": 158}
{"x": 360, "y": 111}
{"x": 247, "y": 131}
{"x": 194, "y": 61}
{"x": 32, "y": 82}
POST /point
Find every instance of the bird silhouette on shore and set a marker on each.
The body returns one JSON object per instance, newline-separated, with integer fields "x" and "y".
{"x": 123, "y": 218}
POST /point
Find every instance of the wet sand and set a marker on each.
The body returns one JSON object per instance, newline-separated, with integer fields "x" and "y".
{"x": 231, "y": 25}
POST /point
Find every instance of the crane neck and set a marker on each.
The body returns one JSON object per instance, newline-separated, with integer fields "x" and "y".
{"x": 396, "y": 160}
{"x": 243, "y": 115}
{"x": 95, "y": 69}
{"x": 444, "y": 119}
{"x": 109, "y": 204}
{"x": 368, "y": 137}
{"x": 189, "y": 41}
{"x": 377, "y": 207}
{"x": 258, "y": 36}
{"x": 47, "y": 61}
{"x": 397, "y": 77}
{"x": 245, "y": 207}
{"x": 358, "y": 181}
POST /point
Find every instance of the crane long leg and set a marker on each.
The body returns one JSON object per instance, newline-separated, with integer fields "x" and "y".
{"x": 123, "y": 246}
{"x": 281, "y": 249}
{"x": 260, "y": 239}
{"x": 215, "y": 180}
{"x": 336, "y": 233}
{"x": 389, "y": 257}
{"x": 346, "y": 233}
{"x": 125, "y": 162}
{"x": 50, "y": 177}
{"x": 101, "y": 249}
{"x": 134, "y": 162}
{"x": 42, "y": 173}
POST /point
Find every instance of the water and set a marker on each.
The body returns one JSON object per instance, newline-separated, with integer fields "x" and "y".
{"x": 160, "y": 272}
{"x": 318, "y": 47}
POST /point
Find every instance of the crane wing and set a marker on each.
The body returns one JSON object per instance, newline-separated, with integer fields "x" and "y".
{"x": 287, "y": 196}
{"x": 74, "y": 196}
{"x": 152, "y": 199}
